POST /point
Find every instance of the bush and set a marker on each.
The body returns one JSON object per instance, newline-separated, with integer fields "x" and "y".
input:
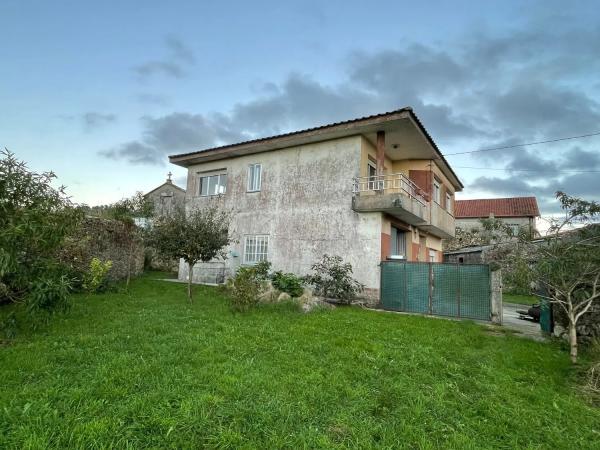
{"x": 9, "y": 326}
{"x": 333, "y": 279}
{"x": 288, "y": 283}
{"x": 247, "y": 285}
{"x": 49, "y": 294}
{"x": 96, "y": 278}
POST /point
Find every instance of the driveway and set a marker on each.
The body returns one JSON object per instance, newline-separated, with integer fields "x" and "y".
{"x": 511, "y": 321}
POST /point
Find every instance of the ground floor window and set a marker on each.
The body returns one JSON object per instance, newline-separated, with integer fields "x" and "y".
{"x": 432, "y": 255}
{"x": 256, "y": 248}
{"x": 398, "y": 242}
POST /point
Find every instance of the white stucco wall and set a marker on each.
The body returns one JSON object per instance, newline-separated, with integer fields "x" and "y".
{"x": 304, "y": 206}
{"x": 468, "y": 224}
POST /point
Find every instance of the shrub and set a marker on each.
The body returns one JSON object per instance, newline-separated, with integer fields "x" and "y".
{"x": 332, "y": 278}
{"x": 35, "y": 218}
{"x": 9, "y": 326}
{"x": 49, "y": 294}
{"x": 288, "y": 282}
{"x": 96, "y": 278}
{"x": 262, "y": 269}
{"x": 246, "y": 286}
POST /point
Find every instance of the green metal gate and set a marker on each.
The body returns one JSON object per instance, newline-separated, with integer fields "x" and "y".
{"x": 441, "y": 289}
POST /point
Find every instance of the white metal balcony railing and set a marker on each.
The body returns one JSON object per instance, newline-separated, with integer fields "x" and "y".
{"x": 395, "y": 182}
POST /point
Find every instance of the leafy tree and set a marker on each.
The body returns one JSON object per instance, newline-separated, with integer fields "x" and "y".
{"x": 35, "y": 217}
{"x": 200, "y": 235}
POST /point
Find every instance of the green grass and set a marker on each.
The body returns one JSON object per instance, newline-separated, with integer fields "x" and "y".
{"x": 145, "y": 369}
{"x": 520, "y": 299}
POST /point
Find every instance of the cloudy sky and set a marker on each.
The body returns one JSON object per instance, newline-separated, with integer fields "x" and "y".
{"x": 102, "y": 92}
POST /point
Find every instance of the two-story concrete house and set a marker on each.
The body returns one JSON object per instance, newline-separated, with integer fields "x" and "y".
{"x": 366, "y": 189}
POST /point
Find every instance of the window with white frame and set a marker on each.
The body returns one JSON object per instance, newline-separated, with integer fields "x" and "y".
{"x": 437, "y": 192}
{"x": 256, "y": 248}
{"x": 212, "y": 184}
{"x": 432, "y": 256}
{"x": 449, "y": 202}
{"x": 254, "y": 177}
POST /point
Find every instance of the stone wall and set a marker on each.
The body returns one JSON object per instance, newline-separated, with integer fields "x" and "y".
{"x": 588, "y": 325}
{"x": 107, "y": 240}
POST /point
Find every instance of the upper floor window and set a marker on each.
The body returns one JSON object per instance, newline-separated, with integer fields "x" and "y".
{"x": 449, "y": 202}
{"x": 254, "y": 177}
{"x": 256, "y": 248}
{"x": 437, "y": 192}
{"x": 213, "y": 184}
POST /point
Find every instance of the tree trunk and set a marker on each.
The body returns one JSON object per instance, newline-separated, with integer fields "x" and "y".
{"x": 573, "y": 339}
{"x": 190, "y": 270}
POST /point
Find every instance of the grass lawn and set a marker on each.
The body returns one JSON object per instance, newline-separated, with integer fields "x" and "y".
{"x": 145, "y": 369}
{"x": 520, "y": 299}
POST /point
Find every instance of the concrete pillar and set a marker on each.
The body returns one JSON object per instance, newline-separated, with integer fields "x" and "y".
{"x": 380, "y": 152}
{"x": 496, "y": 292}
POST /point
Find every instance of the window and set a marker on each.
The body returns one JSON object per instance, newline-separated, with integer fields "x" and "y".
{"x": 448, "y": 202}
{"x": 254, "y": 177}
{"x": 372, "y": 176}
{"x": 213, "y": 184}
{"x": 256, "y": 248}
{"x": 514, "y": 228}
{"x": 432, "y": 255}
{"x": 398, "y": 244}
{"x": 437, "y": 192}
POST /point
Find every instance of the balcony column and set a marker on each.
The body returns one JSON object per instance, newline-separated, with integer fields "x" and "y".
{"x": 380, "y": 152}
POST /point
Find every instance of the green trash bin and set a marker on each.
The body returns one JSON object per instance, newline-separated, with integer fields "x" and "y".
{"x": 546, "y": 320}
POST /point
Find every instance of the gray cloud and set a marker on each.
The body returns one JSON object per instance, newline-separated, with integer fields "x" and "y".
{"x": 175, "y": 64}
{"x": 173, "y": 133}
{"x": 553, "y": 175}
{"x": 494, "y": 90}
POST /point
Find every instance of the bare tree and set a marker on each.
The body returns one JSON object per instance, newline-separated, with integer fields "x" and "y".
{"x": 200, "y": 235}
{"x": 567, "y": 262}
{"x": 565, "y": 265}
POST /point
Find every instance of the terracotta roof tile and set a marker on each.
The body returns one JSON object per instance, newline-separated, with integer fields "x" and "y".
{"x": 499, "y": 207}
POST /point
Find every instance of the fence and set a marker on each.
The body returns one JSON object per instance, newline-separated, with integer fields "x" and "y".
{"x": 454, "y": 290}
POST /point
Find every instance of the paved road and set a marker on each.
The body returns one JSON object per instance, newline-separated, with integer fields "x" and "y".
{"x": 511, "y": 321}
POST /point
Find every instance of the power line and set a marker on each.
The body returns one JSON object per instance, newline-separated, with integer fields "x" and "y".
{"x": 528, "y": 170}
{"x": 526, "y": 144}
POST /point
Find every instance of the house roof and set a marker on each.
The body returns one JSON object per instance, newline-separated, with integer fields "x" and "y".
{"x": 317, "y": 134}
{"x": 499, "y": 207}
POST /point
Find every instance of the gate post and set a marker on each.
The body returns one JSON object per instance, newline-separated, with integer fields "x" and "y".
{"x": 431, "y": 287}
{"x": 496, "y": 296}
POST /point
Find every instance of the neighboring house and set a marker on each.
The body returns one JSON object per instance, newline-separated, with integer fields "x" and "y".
{"x": 517, "y": 212}
{"x": 166, "y": 197}
{"x": 366, "y": 189}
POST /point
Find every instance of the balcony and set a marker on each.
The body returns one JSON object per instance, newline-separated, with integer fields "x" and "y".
{"x": 393, "y": 194}
{"x": 441, "y": 222}
{"x": 400, "y": 197}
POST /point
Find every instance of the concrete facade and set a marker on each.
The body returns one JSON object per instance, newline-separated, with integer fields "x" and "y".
{"x": 471, "y": 223}
{"x": 303, "y": 207}
{"x": 307, "y": 203}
